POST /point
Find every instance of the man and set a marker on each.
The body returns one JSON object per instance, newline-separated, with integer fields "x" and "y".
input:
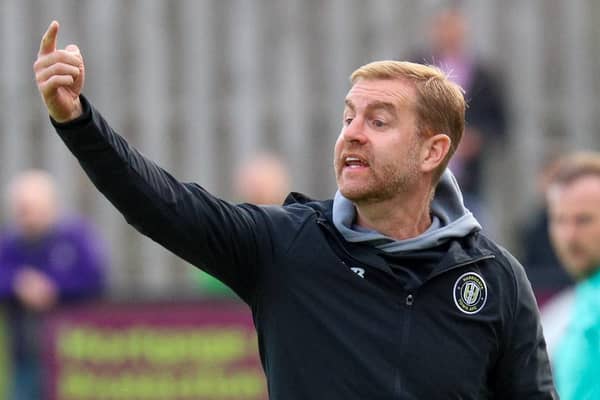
{"x": 45, "y": 261}
{"x": 574, "y": 210}
{"x": 387, "y": 291}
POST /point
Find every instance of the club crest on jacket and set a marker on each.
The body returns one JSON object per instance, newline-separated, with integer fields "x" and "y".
{"x": 470, "y": 293}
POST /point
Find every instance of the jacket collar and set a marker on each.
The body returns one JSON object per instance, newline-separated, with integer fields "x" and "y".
{"x": 452, "y": 254}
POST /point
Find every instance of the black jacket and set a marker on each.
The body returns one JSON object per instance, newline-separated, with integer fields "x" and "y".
{"x": 337, "y": 320}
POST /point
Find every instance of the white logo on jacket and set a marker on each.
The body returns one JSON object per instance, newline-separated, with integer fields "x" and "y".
{"x": 359, "y": 271}
{"x": 470, "y": 293}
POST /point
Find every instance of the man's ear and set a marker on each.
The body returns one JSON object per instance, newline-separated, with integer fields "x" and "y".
{"x": 433, "y": 151}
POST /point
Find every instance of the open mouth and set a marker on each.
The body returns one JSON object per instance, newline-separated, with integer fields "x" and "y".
{"x": 355, "y": 162}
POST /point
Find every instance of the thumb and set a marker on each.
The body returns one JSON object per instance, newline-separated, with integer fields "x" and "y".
{"x": 48, "y": 43}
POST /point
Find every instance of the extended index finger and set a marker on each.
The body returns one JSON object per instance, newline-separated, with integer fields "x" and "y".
{"x": 48, "y": 43}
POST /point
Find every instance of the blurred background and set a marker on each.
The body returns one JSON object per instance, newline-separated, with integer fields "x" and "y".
{"x": 204, "y": 86}
{"x": 199, "y": 86}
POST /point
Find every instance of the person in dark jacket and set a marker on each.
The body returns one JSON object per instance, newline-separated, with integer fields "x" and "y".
{"x": 388, "y": 290}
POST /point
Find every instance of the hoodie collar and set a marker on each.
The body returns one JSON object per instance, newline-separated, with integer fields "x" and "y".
{"x": 451, "y": 220}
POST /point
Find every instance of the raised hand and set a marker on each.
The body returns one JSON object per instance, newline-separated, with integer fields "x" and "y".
{"x": 59, "y": 75}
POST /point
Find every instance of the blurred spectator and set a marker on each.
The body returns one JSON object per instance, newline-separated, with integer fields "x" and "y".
{"x": 574, "y": 209}
{"x": 485, "y": 115}
{"x": 545, "y": 272}
{"x": 262, "y": 180}
{"x": 45, "y": 261}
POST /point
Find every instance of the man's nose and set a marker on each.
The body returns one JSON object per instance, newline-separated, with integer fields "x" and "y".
{"x": 355, "y": 131}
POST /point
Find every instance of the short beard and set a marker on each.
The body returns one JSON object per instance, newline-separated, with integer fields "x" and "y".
{"x": 387, "y": 185}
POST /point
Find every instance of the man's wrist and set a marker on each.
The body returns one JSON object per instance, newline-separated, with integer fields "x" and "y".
{"x": 77, "y": 110}
{"x": 73, "y": 115}
{"x": 81, "y": 114}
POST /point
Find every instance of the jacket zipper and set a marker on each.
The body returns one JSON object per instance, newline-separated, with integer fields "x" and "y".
{"x": 409, "y": 299}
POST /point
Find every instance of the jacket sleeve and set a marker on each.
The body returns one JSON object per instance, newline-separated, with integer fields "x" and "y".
{"x": 207, "y": 232}
{"x": 523, "y": 369}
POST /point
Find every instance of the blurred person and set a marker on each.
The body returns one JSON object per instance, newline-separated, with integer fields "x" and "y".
{"x": 574, "y": 207}
{"x": 261, "y": 180}
{"x": 375, "y": 294}
{"x": 544, "y": 270}
{"x": 486, "y": 111}
{"x": 45, "y": 261}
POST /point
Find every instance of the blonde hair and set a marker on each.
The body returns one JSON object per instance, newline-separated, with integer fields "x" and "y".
{"x": 439, "y": 105}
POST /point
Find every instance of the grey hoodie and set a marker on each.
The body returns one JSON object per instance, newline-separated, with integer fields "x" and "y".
{"x": 450, "y": 220}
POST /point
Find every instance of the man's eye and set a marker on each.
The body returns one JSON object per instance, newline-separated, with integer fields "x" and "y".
{"x": 347, "y": 121}
{"x": 378, "y": 123}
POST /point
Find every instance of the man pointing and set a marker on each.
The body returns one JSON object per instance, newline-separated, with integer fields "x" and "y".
{"x": 387, "y": 291}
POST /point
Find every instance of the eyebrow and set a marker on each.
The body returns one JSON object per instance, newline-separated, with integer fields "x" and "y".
{"x": 349, "y": 104}
{"x": 376, "y": 105}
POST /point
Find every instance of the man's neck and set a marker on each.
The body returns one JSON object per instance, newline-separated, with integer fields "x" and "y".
{"x": 402, "y": 217}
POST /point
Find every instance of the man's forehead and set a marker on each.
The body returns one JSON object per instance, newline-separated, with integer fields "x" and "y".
{"x": 579, "y": 193}
{"x": 381, "y": 91}
{"x": 586, "y": 185}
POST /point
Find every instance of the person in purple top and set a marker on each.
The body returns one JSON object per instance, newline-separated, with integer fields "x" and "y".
{"x": 46, "y": 261}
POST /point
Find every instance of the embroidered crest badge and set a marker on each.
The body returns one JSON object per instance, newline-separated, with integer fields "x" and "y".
{"x": 470, "y": 293}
